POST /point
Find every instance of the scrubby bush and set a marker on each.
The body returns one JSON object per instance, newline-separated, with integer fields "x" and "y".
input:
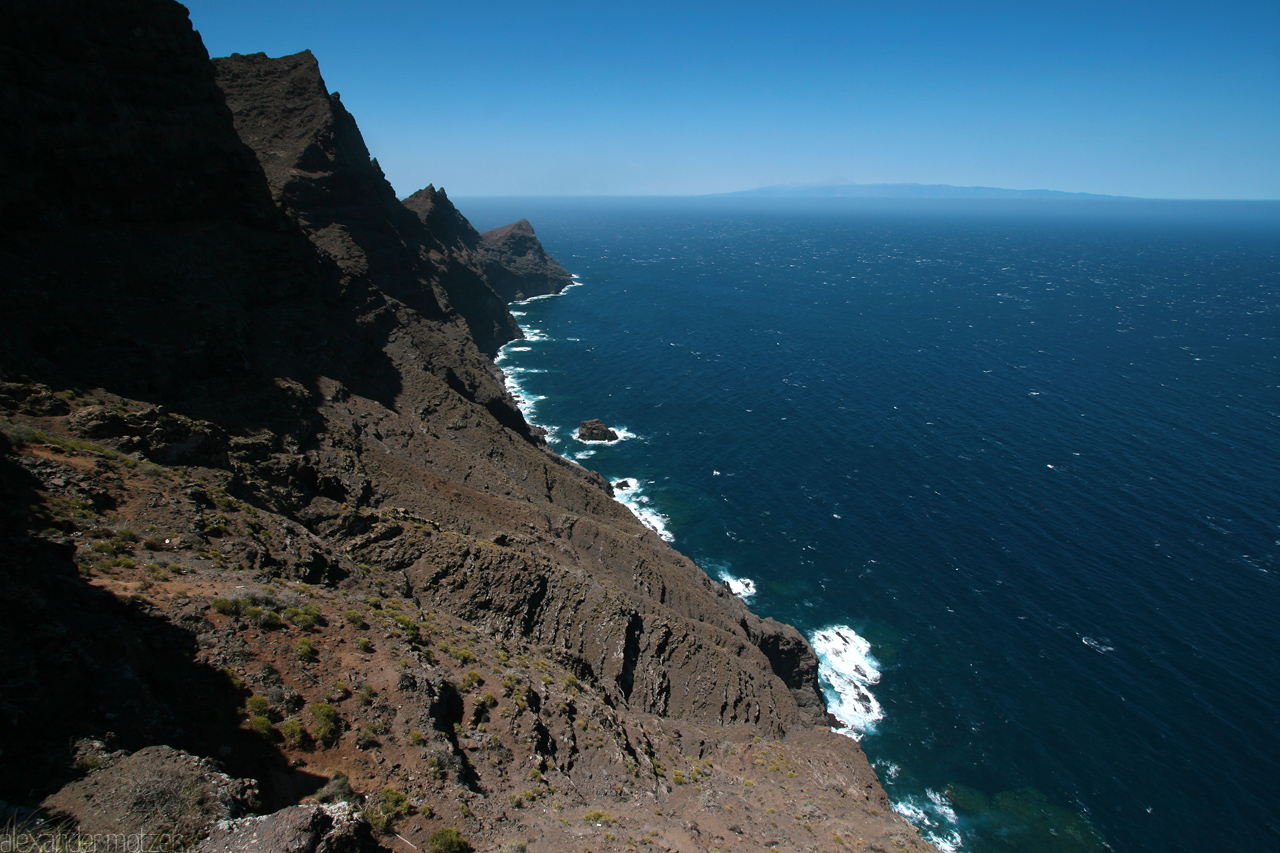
{"x": 446, "y": 839}
{"x": 306, "y": 617}
{"x": 395, "y": 801}
{"x": 325, "y": 728}
{"x": 394, "y": 804}
{"x": 461, "y": 655}
{"x": 232, "y": 679}
{"x": 269, "y": 619}
{"x": 337, "y": 789}
{"x": 262, "y": 725}
{"x": 294, "y": 734}
{"x": 258, "y": 706}
{"x": 228, "y": 606}
{"x": 363, "y": 644}
{"x": 355, "y": 617}
{"x": 305, "y": 650}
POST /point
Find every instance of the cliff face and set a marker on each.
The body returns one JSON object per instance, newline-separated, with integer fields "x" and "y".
{"x": 319, "y": 169}
{"x": 511, "y": 257}
{"x": 117, "y": 111}
{"x": 265, "y": 499}
{"x": 517, "y": 265}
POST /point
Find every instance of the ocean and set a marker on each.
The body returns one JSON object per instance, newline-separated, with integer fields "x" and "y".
{"x": 1013, "y": 467}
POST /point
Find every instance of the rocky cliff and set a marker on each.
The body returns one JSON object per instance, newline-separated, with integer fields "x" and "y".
{"x": 267, "y": 503}
{"x": 320, "y": 171}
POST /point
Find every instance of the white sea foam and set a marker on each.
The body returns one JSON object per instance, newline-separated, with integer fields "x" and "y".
{"x": 935, "y": 818}
{"x": 888, "y": 770}
{"x": 641, "y": 507}
{"x": 1101, "y": 646}
{"x": 847, "y": 671}
{"x": 744, "y": 588}
{"x": 538, "y": 298}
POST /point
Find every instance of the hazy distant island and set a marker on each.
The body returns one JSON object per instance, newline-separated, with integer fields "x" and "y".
{"x": 906, "y": 191}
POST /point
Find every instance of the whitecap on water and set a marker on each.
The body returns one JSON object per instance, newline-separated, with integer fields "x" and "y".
{"x": 632, "y": 496}
{"x": 1099, "y": 646}
{"x": 935, "y": 818}
{"x": 744, "y": 588}
{"x": 525, "y": 400}
{"x": 847, "y": 670}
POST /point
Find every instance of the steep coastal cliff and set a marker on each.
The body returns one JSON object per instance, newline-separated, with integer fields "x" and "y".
{"x": 267, "y": 503}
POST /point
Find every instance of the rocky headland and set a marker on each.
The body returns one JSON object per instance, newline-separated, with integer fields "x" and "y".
{"x": 285, "y": 567}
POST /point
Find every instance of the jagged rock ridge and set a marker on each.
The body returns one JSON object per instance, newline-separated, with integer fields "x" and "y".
{"x": 266, "y": 501}
{"x": 319, "y": 169}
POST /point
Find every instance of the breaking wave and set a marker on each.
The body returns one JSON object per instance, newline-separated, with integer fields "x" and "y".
{"x": 847, "y": 671}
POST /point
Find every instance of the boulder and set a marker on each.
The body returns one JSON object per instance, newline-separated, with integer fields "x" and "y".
{"x": 333, "y": 828}
{"x": 595, "y": 430}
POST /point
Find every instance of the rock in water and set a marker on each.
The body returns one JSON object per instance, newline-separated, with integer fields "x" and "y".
{"x": 595, "y": 430}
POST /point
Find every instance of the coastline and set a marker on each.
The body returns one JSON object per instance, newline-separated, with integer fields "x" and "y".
{"x": 847, "y": 668}
{"x": 299, "y": 550}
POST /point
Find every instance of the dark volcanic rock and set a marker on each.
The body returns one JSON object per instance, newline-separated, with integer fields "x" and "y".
{"x": 116, "y": 117}
{"x": 161, "y": 437}
{"x": 318, "y": 167}
{"x": 595, "y": 430}
{"x": 512, "y": 259}
{"x": 360, "y": 479}
{"x": 517, "y": 265}
{"x": 444, "y": 221}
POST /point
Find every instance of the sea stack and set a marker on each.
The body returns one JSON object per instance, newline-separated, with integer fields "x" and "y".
{"x": 595, "y": 430}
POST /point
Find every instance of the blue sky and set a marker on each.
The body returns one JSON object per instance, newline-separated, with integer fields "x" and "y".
{"x": 1169, "y": 100}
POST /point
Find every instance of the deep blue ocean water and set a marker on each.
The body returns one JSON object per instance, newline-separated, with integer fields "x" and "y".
{"x": 1029, "y": 452}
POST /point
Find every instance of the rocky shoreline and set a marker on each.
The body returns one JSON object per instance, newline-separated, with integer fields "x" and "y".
{"x": 278, "y": 538}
